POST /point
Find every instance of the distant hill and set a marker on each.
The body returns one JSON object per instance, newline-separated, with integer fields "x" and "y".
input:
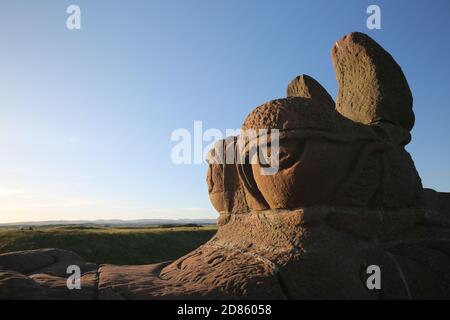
{"x": 112, "y": 222}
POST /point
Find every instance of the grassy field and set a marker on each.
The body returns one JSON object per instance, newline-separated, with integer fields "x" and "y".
{"x": 110, "y": 245}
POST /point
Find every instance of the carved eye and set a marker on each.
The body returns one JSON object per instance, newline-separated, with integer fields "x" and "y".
{"x": 288, "y": 153}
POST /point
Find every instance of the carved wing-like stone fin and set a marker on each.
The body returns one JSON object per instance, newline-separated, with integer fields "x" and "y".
{"x": 371, "y": 85}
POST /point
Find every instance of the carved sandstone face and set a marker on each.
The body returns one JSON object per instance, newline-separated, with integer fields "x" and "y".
{"x": 350, "y": 153}
{"x": 317, "y": 149}
{"x": 310, "y": 172}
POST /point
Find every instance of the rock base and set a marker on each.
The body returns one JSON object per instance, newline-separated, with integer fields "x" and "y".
{"x": 310, "y": 253}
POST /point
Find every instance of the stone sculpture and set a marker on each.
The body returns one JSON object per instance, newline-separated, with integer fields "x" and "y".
{"x": 346, "y": 196}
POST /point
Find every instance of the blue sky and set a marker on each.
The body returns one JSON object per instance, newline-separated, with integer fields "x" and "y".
{"x": 86, "y": 116}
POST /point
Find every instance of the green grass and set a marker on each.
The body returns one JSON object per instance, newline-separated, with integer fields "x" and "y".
{"x": 110, "y": 245}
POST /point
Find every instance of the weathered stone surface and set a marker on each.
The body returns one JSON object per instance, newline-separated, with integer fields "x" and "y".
{"x": 15, "y": 285}
{"x": 55, "y": 287}
{"x": 42, "y": 274}
{"x": 308, "y": 253}
{"x": 305, "y": 86}
{"x": 32, "y": 260}
{"x": 372, "y": 86}
{"x": 300, "y": 113}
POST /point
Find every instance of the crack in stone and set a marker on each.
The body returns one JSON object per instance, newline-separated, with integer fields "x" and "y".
{"x": 402, "y": 276}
